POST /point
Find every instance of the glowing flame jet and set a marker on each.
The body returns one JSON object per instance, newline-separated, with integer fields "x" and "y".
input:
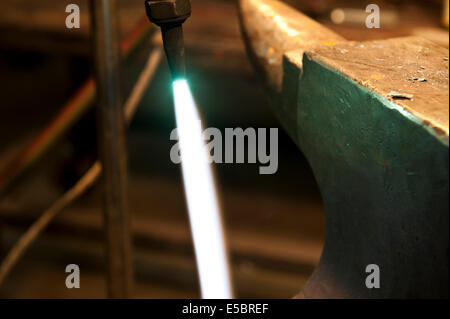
{"x": 204, "y": 214}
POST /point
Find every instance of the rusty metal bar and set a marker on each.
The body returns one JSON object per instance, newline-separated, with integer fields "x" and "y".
{"x": 111, "y": 133}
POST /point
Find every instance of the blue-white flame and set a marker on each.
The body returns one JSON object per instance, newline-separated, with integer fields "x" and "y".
{"x": 204, "y": 213}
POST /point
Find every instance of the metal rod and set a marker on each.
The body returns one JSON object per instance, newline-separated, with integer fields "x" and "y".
{"x": 174, "y": 47}
{"x": 88, "y": 179}
{"x": 111, "y": 133}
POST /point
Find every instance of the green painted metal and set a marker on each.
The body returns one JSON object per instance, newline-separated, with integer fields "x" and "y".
{"x": 384, "y": 182}
{"x": 381, "y": 163}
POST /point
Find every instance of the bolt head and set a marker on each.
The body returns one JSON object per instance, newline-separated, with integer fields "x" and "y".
{"x": 168, "y": 11}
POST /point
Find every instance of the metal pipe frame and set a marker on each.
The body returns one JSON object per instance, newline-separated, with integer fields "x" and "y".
{"x": 111, "y": 136}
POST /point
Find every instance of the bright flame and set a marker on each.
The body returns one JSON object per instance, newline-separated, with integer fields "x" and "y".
{"x": 204, "y": 214}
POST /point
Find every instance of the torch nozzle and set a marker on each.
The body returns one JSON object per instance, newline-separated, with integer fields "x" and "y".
{"x": 172, "y": 35}
{"x": 170, "y": 16}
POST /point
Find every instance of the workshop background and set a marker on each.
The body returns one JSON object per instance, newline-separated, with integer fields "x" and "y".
{"x": 275, "y": 224}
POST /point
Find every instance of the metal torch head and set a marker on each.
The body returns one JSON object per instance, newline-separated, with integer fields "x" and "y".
{"x": 170, "y": 15}
{"x": 163, "y": 12}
